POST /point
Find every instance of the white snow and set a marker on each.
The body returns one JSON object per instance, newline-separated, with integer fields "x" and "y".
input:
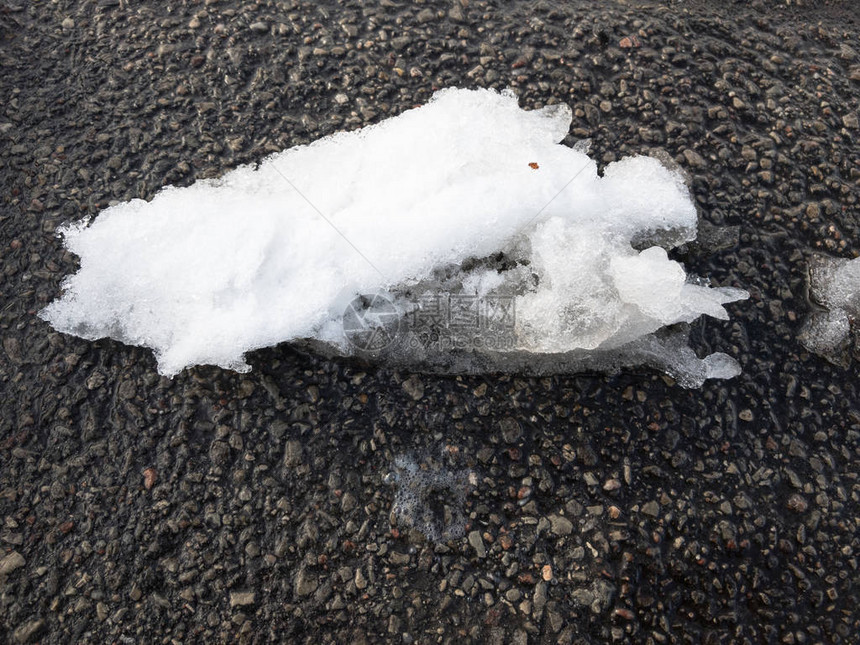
{"x": 206, "y": 273}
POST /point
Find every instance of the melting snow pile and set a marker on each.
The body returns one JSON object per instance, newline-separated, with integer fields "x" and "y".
{"x": 835, "y": 285}
{"x": 468, "y": 193}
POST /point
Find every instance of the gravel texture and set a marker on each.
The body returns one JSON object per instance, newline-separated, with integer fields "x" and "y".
{"x": 283, "y": 505}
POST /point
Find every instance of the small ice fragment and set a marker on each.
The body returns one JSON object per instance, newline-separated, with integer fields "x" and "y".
{"x": 721, "y": 366}
{"x": 834, "y": 285}
{"x": 583, "y": 146}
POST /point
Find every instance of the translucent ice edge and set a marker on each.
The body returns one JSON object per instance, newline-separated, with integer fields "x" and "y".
{"x": 273, "y": 253}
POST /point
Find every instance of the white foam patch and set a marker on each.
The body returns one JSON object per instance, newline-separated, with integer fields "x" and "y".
{"x": 430, "y": 497}
{"x": 263, "y": 255}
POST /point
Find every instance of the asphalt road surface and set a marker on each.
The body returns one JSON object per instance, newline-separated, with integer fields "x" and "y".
{"x": 330, "y": 501}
